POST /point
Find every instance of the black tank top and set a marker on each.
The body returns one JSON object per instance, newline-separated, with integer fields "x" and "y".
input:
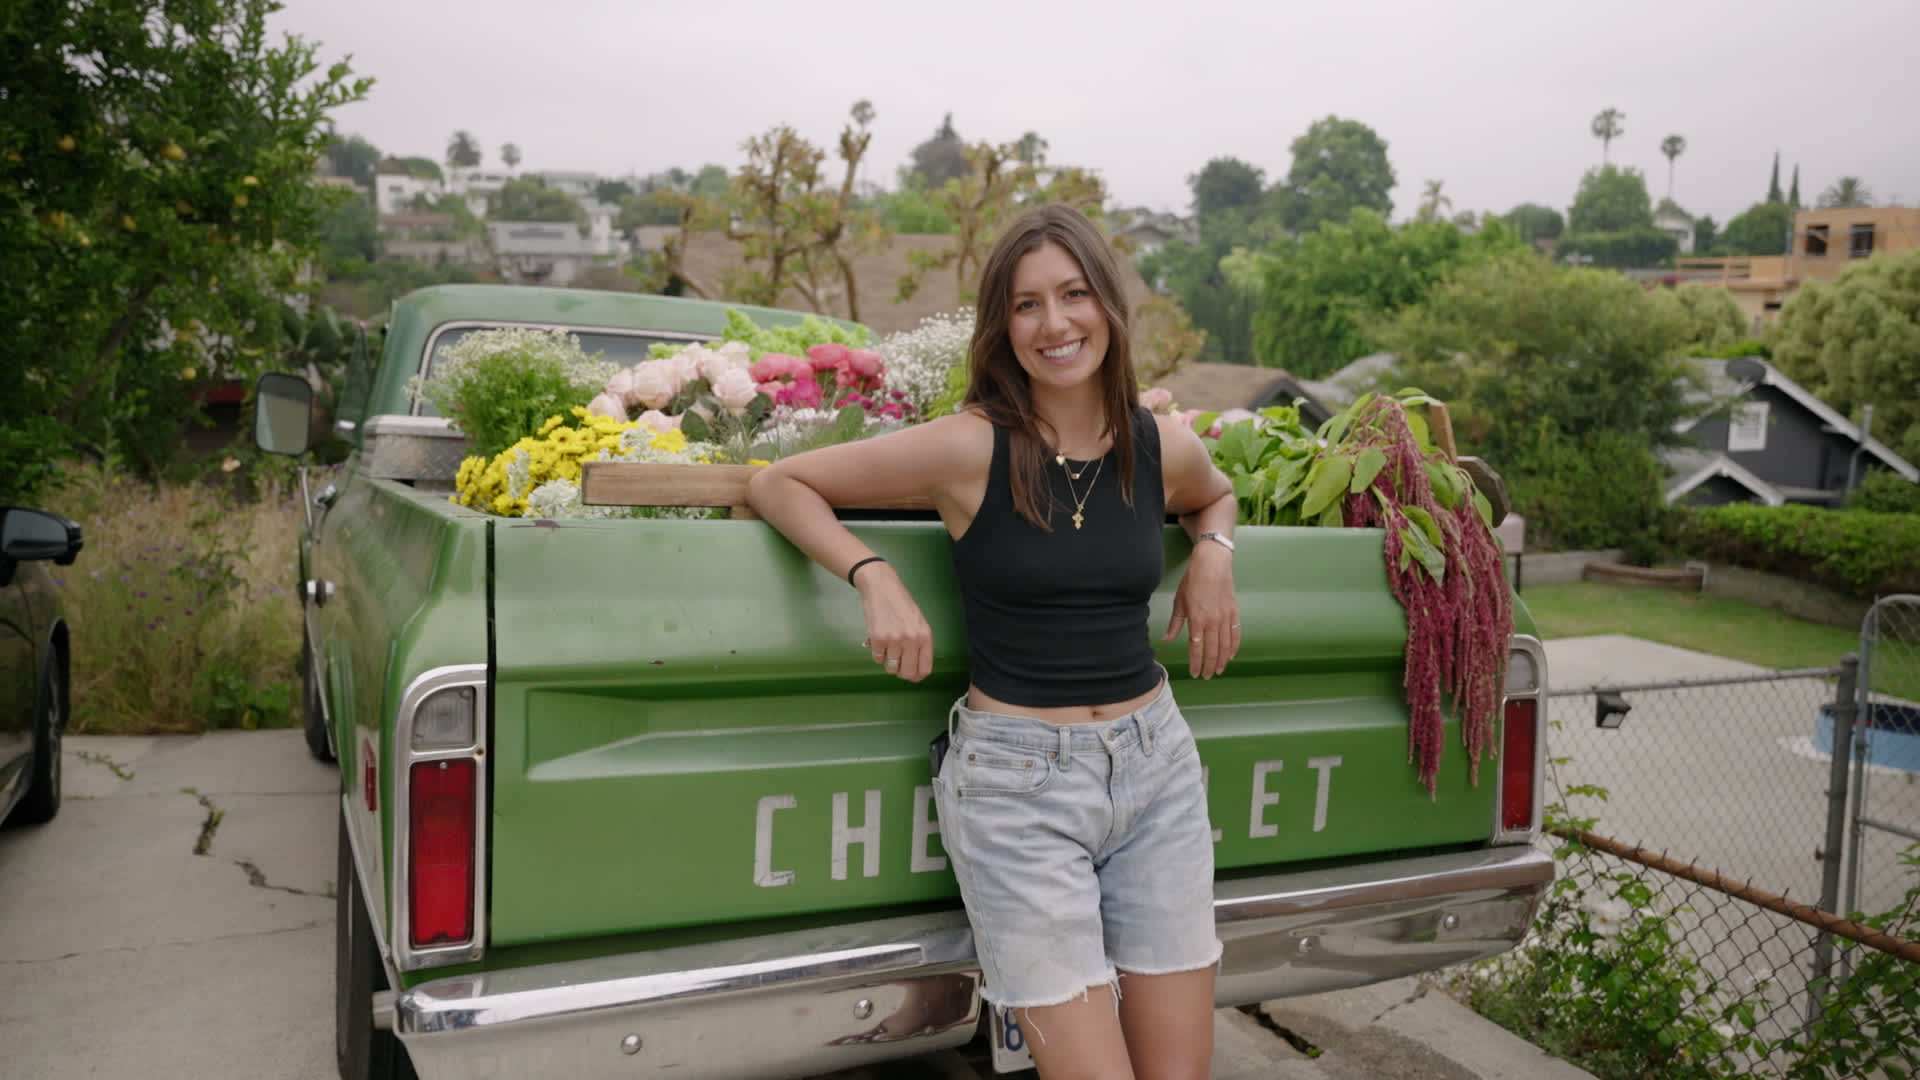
{"x": 1060, "y": 618}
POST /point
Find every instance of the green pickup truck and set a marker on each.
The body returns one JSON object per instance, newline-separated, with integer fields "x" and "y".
{"x": 627, "y": 797}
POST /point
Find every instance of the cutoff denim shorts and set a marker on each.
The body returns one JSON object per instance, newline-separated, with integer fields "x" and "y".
{"x": 1079, "y": 848}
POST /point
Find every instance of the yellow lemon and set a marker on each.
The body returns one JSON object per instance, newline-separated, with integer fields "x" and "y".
{"x": 67, "y": 143}
{"x": 240, "y": 199}
{"x": 172, "y": 152}
{"x": 250, "y": 181}
{"x": 127, "y": 223}
{"x": 187, "y": 372}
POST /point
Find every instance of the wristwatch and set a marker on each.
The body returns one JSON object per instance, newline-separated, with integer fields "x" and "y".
{"x": 1216, "y": 538}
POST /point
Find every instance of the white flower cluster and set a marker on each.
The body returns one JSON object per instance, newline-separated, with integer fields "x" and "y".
{"x": 458, "y": 368}
{"x": 918, "y": 359}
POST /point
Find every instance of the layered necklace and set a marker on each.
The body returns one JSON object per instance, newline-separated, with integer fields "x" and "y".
{"x": 1079, "y": 500}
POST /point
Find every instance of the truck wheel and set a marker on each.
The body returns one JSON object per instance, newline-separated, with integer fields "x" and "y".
{"x": 42, "y": 800}
{"x": 311, "y": 717}
{"x": 362, "y": 1051}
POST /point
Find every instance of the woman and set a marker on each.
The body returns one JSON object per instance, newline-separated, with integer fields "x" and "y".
{"x": 1071, "y": 800}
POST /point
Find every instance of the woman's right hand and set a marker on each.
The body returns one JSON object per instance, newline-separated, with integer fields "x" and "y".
{"x": 897, "y": 632}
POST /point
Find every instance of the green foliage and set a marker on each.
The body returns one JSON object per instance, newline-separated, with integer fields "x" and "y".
{"x": 1846, "y": 191}
{"x": 1733, "y": 350}
{"x": 1887, "y": 492}
{"x": 1706, "y": 234}
{"x": 530, "y": 199}
{"x": 368, "y": 290}
{"x": 941, "y": 158}
{"x": 792, "y": 339}
{"x": 1600, "y": 492}
{"x": 1773, "y": 182}
{"x": 1532, "y": 221}
{"x": 1759, "y": 230}
{"x": 1218, "y": 306}
{"x": 1868, "y": 1025}
{"x": 1855, "y": 341}
{"x": 354, "y": 158}
{"x": 1322, "y": 294}
{"x": 1636, "y": 248}
{"x": 1226, "y": 183}
{"x": 154, "y": 210}
{"x": 499, "y": 386}
{"x": 422, "y": 168}
{"x": 913, "y": 210}
{"x": 1611, "y": 199}
{"x": 350, "y": 232}
{"x": 658, "y": 207}
{"x": 1338, "y": 166}
{"x": 1863, "y": 553}
{"x": 184, "y": 601}
{"x": 463, "y": 150}
{"x": 1709, "y": 317}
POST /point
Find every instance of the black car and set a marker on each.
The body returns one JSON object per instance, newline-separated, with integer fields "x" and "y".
{"x": 33, "y": 662}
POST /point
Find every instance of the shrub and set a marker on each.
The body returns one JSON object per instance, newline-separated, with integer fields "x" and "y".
{"x": 1886, "y": 492}
{"x": 1864, "y": 553}
{"x": 182, "y": 610}
{"x": 1603, "y": 492}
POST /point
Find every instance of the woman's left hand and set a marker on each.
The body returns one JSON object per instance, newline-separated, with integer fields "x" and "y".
{"x": 1205, "y": 605}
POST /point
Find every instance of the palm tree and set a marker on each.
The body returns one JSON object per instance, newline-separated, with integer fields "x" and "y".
{"x": 1672, "y": 146}
{"x": 1606, "y": 128}
{"x": 1431, "y": 202}
{"x": 463, "y": 150}
{"x": 510, "y": 154}
{"x": 1847, "y": 191}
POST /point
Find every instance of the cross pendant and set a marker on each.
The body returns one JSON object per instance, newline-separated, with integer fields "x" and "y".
{"x": 1077, "y": 519}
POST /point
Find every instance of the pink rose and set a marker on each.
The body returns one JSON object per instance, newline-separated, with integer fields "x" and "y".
{"x": 608, "y": 404}
{"x": 829, "y": 355}
{"x": 774, "y": 366}
{"x": 1158, "y": 399}
{"x": 801, "y": 394}
{"x": 621, "y": 386}
{"x": 865, "y": 363}
{"x": 659, "y": 421}
{"x": 712, "y": 365}
{"x": 654, "y": 385}
{"x": 685, "y": 368}
{"x": 734, "y": 389}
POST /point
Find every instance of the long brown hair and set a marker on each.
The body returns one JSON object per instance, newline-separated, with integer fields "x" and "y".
{"x": 999, "y": 387}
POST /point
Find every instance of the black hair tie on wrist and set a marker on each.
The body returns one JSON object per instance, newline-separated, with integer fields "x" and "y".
{"x": 858, "y": 565}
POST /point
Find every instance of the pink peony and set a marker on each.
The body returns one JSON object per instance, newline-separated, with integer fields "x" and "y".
{"x": 734, "y": 389}
{"x": 865, "y": 363}
{"x": 621, "y": 386}
{"x": 654, "y": 384}
{"x": 1158, "y": 399}
{"x": 801, "y": 394}
{"x": 774, "y": 366}
{"x": 608, "y": 404}
{"x": 829, "y": 355}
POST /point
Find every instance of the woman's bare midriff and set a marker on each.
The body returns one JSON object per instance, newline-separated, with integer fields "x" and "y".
{"x": 1065, "y": 714}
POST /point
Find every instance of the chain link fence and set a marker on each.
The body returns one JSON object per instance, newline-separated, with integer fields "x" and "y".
{"x": 1713, "y": 827}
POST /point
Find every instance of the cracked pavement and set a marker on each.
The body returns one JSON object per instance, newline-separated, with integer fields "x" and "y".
{"x": 176, "y": 918}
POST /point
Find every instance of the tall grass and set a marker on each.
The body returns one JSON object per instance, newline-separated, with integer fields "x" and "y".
{"x": 181, "y": 607}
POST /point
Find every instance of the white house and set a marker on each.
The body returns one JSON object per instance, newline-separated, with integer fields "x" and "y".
{"x": 602, "y": 236}
{"x": 394, "y": 189}
{"x": 1674, "y": 221}
{"x": 580, "y": 185}
{"x": 540, "y": 252}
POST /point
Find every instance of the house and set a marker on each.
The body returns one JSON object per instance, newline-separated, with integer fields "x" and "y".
{"x": 1673, "y": 221}
{"x": 1219, "y": 387}
{"x": 606, "y": 240}
{"x": 580, "y": 185}
{"x": 394, "y": 188}
{"x": 1339, "y": 389}
{"x": 1765, "y": 438}
{"x": 1148, "y": 231}
{"x": 540, "y": 252}
{"x": 425, "y": 237}
{"x": 1824, "y": 243}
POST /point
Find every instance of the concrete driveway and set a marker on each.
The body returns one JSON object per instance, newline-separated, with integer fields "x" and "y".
{"x": 176, "y": 921}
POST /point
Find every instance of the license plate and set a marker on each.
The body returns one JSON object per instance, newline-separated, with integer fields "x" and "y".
{"x": 1010, "y": 1052}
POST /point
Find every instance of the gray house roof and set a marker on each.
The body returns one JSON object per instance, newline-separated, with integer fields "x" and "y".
{"x": 1729, "y": 379}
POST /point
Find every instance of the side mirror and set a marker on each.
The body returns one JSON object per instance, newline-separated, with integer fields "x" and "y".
{"x": 282, "y": 414}
{"x": 34, "y": 535}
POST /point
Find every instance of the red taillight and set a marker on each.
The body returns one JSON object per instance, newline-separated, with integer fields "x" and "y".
{"x": 441, "y": 811}
{"x": 1517, "y": 764}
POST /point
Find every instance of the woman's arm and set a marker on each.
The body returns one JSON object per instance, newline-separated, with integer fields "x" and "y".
{"x": 1202, "y": 496}
{"x": 797, "y": 495}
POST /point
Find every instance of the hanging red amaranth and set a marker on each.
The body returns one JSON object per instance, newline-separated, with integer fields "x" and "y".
{"x": 1458, "y": 626}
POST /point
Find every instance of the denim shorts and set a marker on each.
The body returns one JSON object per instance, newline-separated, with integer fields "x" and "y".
{"x": 1079, "y": 848}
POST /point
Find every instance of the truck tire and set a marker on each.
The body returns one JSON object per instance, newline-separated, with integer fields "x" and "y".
{"x": 42, "y": 800}
{"x": 312, "y": 718}
{"x": 362, "y": 1051}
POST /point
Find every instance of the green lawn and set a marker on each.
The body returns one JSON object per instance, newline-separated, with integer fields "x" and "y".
{"x": 1708, "y": 624}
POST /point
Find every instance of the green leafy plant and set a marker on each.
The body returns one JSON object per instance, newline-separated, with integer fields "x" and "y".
{"x": 499, "y": 386}
{"x": 792, "y": 339}
{"x": 1865, "y": 553}
{"x": 1374, "y": 466}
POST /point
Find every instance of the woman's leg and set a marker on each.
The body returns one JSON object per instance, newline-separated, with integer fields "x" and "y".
{"x": 1080, "y": 1040}
{"x": 1168, "y": 1024}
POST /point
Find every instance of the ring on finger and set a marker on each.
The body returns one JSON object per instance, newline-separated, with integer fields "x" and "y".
{"x": 893, "y": 662}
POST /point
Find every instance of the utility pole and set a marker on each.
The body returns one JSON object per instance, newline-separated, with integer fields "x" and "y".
{"x": 1866, "y": 432}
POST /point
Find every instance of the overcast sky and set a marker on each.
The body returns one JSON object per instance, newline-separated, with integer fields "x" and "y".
{"x": 1493, "y": 98}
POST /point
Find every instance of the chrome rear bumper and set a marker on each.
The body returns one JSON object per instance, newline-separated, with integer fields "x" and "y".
{"x": 813, "y": 1001}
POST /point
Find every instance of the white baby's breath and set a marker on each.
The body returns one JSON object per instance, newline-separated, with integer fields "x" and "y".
{"x": 918, "y": 359}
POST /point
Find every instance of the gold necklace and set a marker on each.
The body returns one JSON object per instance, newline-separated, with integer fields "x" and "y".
{"x": 1079, "y": 500}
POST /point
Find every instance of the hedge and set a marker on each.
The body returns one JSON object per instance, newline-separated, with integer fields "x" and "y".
{"x": 1863, "y": 553}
